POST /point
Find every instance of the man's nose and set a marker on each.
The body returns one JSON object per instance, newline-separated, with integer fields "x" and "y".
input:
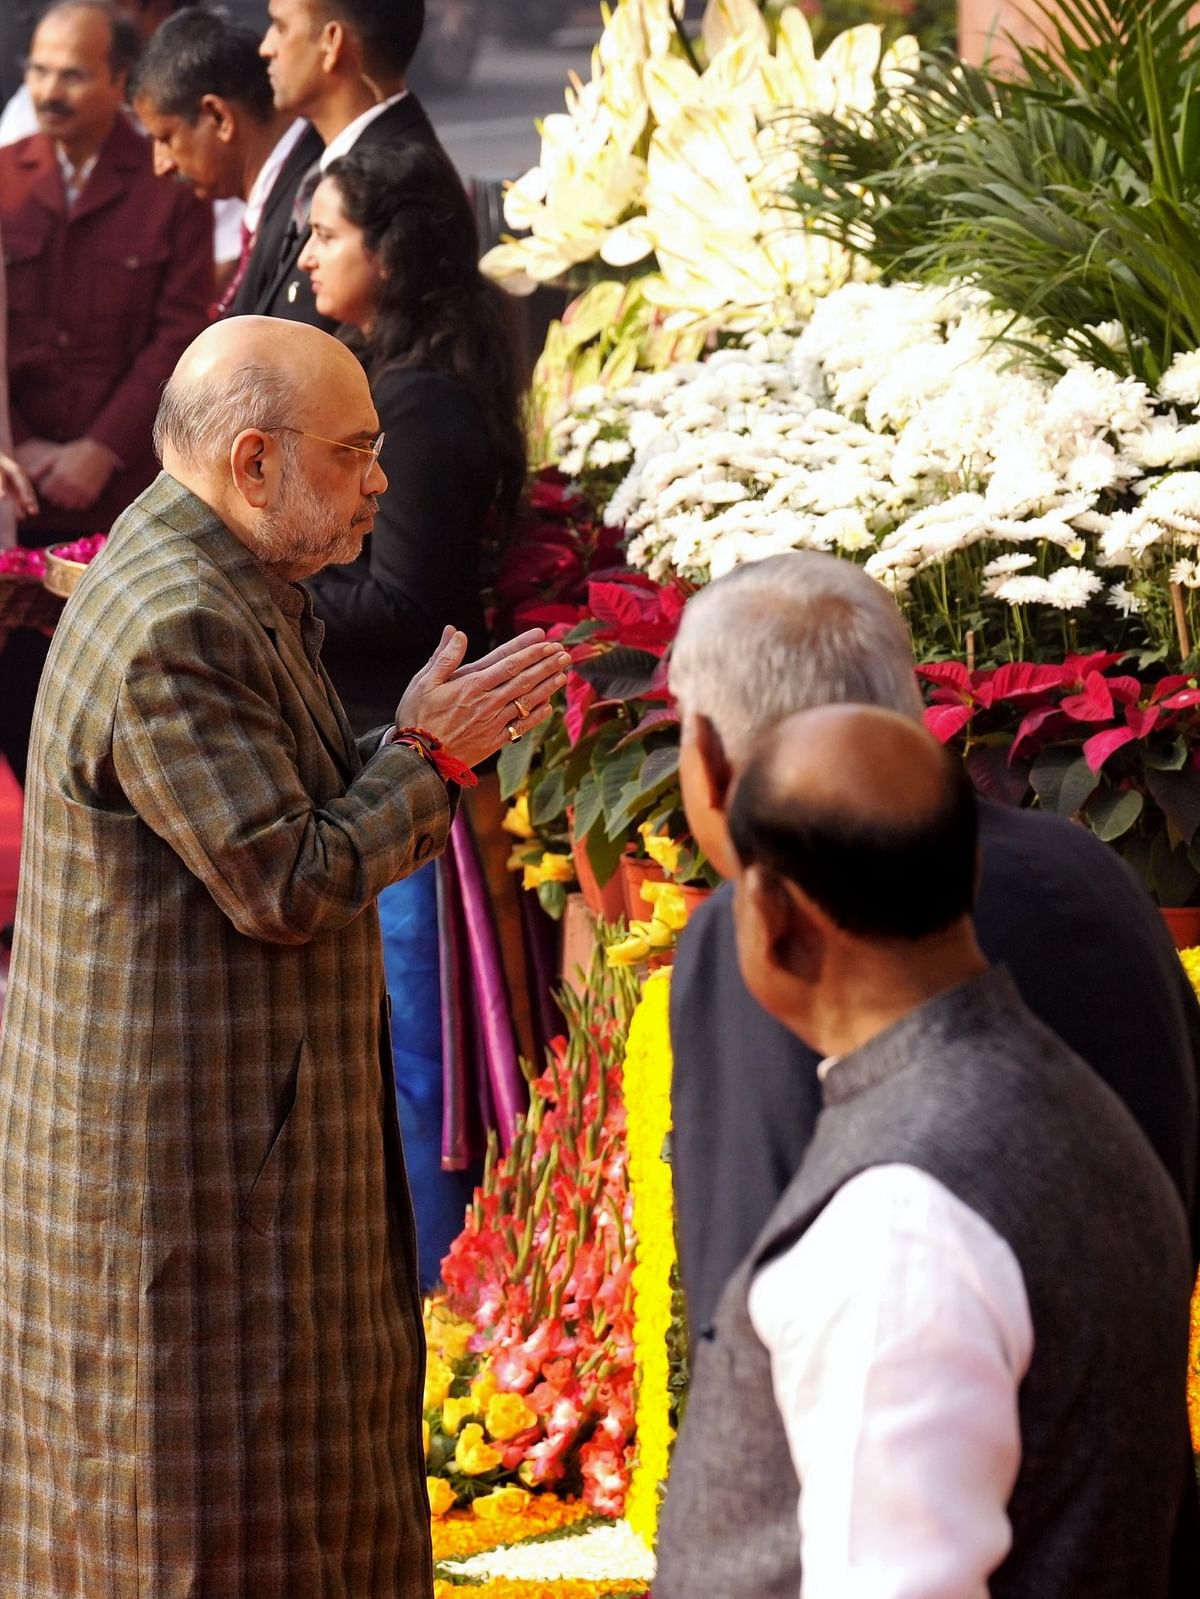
{"x": 164, "y": 163}
{"x": 376, "y": 480}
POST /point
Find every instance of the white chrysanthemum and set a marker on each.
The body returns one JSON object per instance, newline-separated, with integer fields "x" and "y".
{"x": 1186, "y": 573}
{"x": 1180, "y": 383}
{"x": 1123, "y": 599}
{"x": 1021, "y": 591}
{"x": 1071, "y": 587}
{"x": 1005, "y": 565}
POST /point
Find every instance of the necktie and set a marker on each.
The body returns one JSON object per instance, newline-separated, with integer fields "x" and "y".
{"x": 225, "y": 303}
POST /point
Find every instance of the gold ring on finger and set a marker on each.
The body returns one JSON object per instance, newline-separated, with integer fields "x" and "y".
{"x": 514, "y": 732}
{"x": 521, "y": 707}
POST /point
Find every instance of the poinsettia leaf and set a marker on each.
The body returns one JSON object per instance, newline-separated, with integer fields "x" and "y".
{"x": 658, "y": 717}
{"x": 944, "y": 721}
{"x": 620, "y": 673}
{"x": 1125, "y": 690}
{"x": 1098, "y": 748}
{"x": 952, "y": 674}
{"x": 603, "y": 853}
{"x": 1021, "y": 678}
{"x": 1031, "y": 723}
{"x": 589, "y": 807}
{"x": 658, "y": 769}
{"x": 1181, "y": 700}
{"x": 1077, "y": 667}
{"x": 1166, "y": 755}
{"x": 548, "y": 799}
{"x": 1094, "y": 704}
{"x": 1142, "y": 719}
{"x": 1112, "y": 812}
{"x": 1172, "y": 877}
{"x": 516, "y": 759}
{"x": 1170, "y": 685}
{"x": 1177, "y": 795}
{"x": 618, "y": 771}
{"x": 997, "y": 776}
{"x": 614, "y": 603}
{"x": 1062, "y": 780}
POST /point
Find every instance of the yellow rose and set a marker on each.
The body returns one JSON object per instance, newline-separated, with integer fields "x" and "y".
{"x": 632, "y": 949}
{"x": 471, "y": 1455}
{"x": 507, "y": 1415}
{"x": 455, "y": 1412}
{"x": 441, "y": 1496}
{"x": 516, "y": 818}
{"x": 483, "y": 1387}
{"x": 438, "y": 1377}
{"x": 502, "y": 1504}
{"x": 664, "y": 851}
{"x": 669, "y": 904}
{"x": 448, "y": 1336}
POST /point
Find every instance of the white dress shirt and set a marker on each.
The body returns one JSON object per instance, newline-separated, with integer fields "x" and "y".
{"x": 899, "y": 1332}
{"x": 260, "y": 189}
{"x": 345, "y": 141}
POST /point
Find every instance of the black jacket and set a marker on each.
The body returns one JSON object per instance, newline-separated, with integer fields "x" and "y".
{"x": 274, "y": 284}
{"x": 1090, "y": 956}
{"x": 419, "y": 569}
{"x": 272, "y": 228}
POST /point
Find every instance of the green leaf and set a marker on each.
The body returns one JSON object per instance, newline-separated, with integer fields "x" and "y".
{"x": 1165, "y": 757}
{"x": 589, "y": 807}
{"x": 1062, "y": 780}
{"x": 603, "y": 853}
{"x": 621, "y": 673}
{"x": 516, "y": 759}
{"x": 548, "y": 799}
{"x": 1173, "y": 878}
{"x": 615, "y": 773}
{"x": 1112, "y": 812}
{"x": 553, "y": 898}
{"x": 1177, "y": 795}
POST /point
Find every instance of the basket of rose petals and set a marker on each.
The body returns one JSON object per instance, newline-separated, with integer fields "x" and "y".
{"x": 66, "y": 563}
{"x": 24, "y": 600}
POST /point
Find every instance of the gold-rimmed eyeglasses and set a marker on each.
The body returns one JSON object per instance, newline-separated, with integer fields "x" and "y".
{"x": 372, "y": 450}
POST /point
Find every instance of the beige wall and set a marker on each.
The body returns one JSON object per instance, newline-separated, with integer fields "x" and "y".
{"x": 983, "y": 22}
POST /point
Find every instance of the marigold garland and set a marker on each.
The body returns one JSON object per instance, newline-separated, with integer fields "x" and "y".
{"x": 521, "y": 1588}
{"x": 648, "y": 1122}
{"x": 462, "y": 1534}
{"x": 1191, "y": 965}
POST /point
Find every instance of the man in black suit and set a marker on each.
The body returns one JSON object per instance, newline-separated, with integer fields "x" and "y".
{"x": 202, "y": 93}
{"x": 341, "y": 64}
{"x": 1085, "y": 944}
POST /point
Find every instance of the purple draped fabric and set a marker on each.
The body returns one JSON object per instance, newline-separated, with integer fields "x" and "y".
{"x": 482, "y": 1077}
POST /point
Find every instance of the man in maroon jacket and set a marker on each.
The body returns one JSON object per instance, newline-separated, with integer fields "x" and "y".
{"x": 110, "y": 277}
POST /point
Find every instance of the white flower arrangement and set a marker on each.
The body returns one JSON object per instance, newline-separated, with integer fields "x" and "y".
{"x": 672, "y": 161}
{"x": 896, "y": 428}
{"x": 605, "y": 1553}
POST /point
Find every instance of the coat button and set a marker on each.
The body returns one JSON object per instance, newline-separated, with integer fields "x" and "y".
{"x": 133, "y": 262}
{"x": 63, "y": 339}
{"x": 293, "y": 291}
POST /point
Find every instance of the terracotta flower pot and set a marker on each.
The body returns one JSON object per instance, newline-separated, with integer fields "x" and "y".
{"x": 634, "y": 872}
{"x": 694, "y": 895}
{"x": 607, "y": 903}
{"x": 1183, "y": 923}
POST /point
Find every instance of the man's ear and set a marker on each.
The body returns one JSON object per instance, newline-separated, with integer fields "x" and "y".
{"x": 791, "y": 926}
{"x": 222, "y": 116}
{"x": 253, "y": 466}
{"x": 718, "y": 772}
{"x": 333, "y": 45}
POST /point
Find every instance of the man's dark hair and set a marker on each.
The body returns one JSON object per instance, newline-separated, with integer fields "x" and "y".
{"x": 891, "y": 878}
{"x": 389, "y": 30}
{"x": 123, "y": 42}
{"x": 200, "y": 51}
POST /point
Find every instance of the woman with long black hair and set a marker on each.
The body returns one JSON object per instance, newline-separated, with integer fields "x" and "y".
{"x": 393, "y": 256}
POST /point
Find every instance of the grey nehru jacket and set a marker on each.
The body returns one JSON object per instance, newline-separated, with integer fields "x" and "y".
{"x": 972, "y": 1089}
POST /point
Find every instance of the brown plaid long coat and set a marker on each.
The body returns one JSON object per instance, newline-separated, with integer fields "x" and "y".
{"x": 211, "y": 1355}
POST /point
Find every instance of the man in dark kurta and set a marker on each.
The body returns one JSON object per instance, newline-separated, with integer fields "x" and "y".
{"x": 211, "y": 1355}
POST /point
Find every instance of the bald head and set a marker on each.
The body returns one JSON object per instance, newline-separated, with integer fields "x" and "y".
{"x": 253, "y": 372}
{"x": 862, "y": 810}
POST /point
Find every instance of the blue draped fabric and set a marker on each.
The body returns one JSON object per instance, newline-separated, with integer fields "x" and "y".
{"x": 409, "y": 918}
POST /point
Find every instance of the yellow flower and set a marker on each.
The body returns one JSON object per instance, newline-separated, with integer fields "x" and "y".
{"x": 661, "y": 849}
{"x": 483, "y": 1387}
{"x": 438, "y": 1377}
{"x": 502, "y": 1503}
{"x": 446, "y": 1334}
{"x": 516, "y": 818}
{"x": 629, "y": 951}
{"x": 552, "y": 868}
{"x": 669, "y": 904}
{"x": 507, "y": 1415}
{"x": 472, "y": 1456}
{"x": 441, "y": 1496}
{"x": 455, "y": 1412}
{"x": 425, "y": 1437}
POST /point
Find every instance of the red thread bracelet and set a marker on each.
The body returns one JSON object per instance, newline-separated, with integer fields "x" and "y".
{"x": 448, "y": 767}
